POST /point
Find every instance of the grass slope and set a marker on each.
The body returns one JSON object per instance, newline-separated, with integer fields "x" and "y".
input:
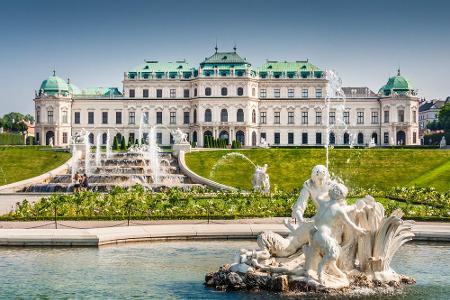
{"x": 289, "y": 168}
{"x": 18, "y": 163}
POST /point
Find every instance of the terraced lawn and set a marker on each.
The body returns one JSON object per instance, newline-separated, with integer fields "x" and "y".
{"x": 19, "y": 163}
{"x": 289, "y": 168}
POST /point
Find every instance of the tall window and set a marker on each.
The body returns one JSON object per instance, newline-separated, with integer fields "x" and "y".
{"x": 104, "y": 117}
{"x": 50, "y": 116}
{"x": 401, "y": 115}
{"x": 360, "y": 138}
{"x": 318, "y": 138}
{"x": 240, "y": 91}
{"x": 208, "y": 115}
{"x": 186, "y": 117}
{"x": 90, "y": 117}
{"x": 360, "y": 117}
{"x": 290, "y": 138}
{"x": 374, "y": 117}
{"x": 159, "y": 93}
{"x": 276, "y": 138}
{"x": 118, "y": 117}
{"x": 386, "y": 116}
{"x": 304, "y": 117}
{"x": 173, "y": 117}
{"x": 195, "y": 92}
{"x": 159, "y": 137}
{"x": 290, "y": 93}
{"x": 332, "y": 118}
{"x": 159, "y": 117}
{"x": 318, "y": 93}
{"x": 304, "y": 138}
{"x": 64, "y": 137}
{"x": 146, "y": 117}
{"x": 254, "y": 116}
{"x": 318, "y": 117}
{"x": 173, "y": 93}
{"x": 132, "y": 93}
{"x": 262, "y": 117}
{"x": 263, "y": 136}
{"x": 186, "y": 93}
{"x": 386, "y": 137}
{"x": 262, "y": 93}
{"x": 414, "y": 120}
{"x": 276, "y": 93}
{"x": 208, "y": 91}
{"x": 38, "y": 116}
{"x": 414, "y": 137}
{"x": 195, "y": 116}
{"x": 347, "y": 117}
{"x": 65, "y": 117}
{"x": 253, "y": 92}
{"x": 104, "y": 138}
{"x": 240, "y": 115}
{"x": 290, "y": 117}
{"x": 304, "y": 93}
{"x": 223, "y": 115}
{"x": 145, "y": 93}
{"x": 131, "y": 117}
{"x": 276, "y": 117}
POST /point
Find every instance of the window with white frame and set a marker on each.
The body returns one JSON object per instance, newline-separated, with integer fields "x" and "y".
{"x": 131, "y": 117}
{"x": 360, "y": 117}
{"x": 332, "y": 117}
{"x": 276, "y": 93}
{"x": 318, "y": 92}
{"x": 347, "y": 117}
{"x": 262, "y": 93}
{"x": 290, "y": 93}
{"x": 318, "y": 117}
{"x": 374, "y": 117}
{"x": 304, "y": 93}
{"x": 65, "y": 117}
{"x": 173, "y": 93}
{"x": 304, "y": 117}
{"x": 263, "y": 117}
{"x": 290, "y": 117}
{"x": 276, "y": 117}
{"x": 173, "y": 117}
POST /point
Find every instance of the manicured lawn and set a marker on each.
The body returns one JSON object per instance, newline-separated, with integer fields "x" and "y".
{"x": 18, "y": 163}
{"x": 366, "y": 168}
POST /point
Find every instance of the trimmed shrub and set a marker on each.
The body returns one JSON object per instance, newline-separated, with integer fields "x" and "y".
{"x": 115, "y": 144}
{"x": 123, "y": 144}
{"x": 8, "y": 138}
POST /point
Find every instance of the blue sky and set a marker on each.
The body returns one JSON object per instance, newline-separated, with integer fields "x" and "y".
{"x": 94, "y": 42}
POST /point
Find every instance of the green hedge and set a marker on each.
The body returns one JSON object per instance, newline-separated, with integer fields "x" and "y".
{"x": 8, "y": 138}
{"x": 435, "y": 139}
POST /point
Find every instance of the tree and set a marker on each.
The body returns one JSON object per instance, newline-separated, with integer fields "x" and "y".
{"x": 444, "y": 117}
{"x": 115, "y": 144}
{"x": 123, "y": 144}
{"x": 14, "y": 122}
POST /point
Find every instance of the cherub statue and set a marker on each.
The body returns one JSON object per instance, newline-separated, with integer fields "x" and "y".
{"x": 323, "y": 250}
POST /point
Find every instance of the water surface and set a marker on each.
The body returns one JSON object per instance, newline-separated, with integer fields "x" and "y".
{"x": 174, "y": 270}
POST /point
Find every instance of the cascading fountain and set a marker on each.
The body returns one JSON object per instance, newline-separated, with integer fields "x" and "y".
{"x": 98, "y": 150}
{"x": 154, "y": 155}
{"x": 87, "y": 154}
{"x": 108, "y": 144}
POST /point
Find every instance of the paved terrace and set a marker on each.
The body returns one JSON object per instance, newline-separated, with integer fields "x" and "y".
{"x": 94, "y": 234}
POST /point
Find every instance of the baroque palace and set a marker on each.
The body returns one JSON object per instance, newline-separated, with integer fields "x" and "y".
{"x": 280, "y": 102}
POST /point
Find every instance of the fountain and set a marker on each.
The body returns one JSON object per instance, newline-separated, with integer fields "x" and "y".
{"x": 98, "y": 149}
{"x": 108, "y": 144}
{"x": 87, "y": 154}
{"x": 343, "y": 248}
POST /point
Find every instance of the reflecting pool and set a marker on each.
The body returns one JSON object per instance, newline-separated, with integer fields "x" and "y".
{"x": 174, "y": 270}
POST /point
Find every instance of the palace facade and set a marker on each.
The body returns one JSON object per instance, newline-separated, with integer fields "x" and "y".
{"x": 281, "y": 102}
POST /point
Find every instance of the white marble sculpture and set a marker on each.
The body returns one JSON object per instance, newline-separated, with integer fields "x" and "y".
{"x": 443, "y": 143}
{"x": 263, "y": 143}
{"x": 372, "y": 143}
{"x": 179, "y": 137}
{"x": 50, "y": 142}
{"x": 338, "y": 243}
{"x": 260, "y": 179}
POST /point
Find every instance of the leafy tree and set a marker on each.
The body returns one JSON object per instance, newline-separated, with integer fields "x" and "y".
{"x": 444, "y": 117}
{"x": 115, "y": 144}
{"x": 123, "y": 144}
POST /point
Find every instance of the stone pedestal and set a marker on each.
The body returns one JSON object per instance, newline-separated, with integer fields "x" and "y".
{"x": 186, "y": 147}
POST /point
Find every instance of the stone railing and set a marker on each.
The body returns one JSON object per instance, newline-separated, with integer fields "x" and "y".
{"x": 199, "y": 179}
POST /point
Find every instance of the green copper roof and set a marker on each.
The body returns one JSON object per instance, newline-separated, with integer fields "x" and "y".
{"x": 160, "y": 67}
{"x": 101, "y": 91}
{"x": 228, "y": 58}
{"x": 73, "y": 89}
{"x": 54, "y": 85}
{"x": 288, "y": 66}
{"x": 397, "y": 84}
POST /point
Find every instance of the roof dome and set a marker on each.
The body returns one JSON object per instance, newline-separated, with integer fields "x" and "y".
{"x": 54, "y": 85}
{"x": 73, "y": 89}
{"x": 398, "y": 85}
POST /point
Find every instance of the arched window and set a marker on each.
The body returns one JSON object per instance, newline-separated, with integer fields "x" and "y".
{"x": 240, "y": 115}
{"x": 104, "y": 138}
{"x": 253, "y": 138}
{"x": 224, "y": 136}
{"x": 346, "y": 138}
{"x": 195, "y": 116}
{"x": 119, "y": 138}
{"x": 91, "y": 138}
{"x": 195, "y": 92}
{"x": 194, "y": 136}
{"x": 332, "y": 138}
{"x": 240, "y": 136}
{"x": 208, "y": 91}
{"x": 254, "y": 116}
{"x": 207, "y": 133}
{"x": 375, "y": 137}
{"x": 223, "y": 115}
{"x": 208, "y": 115}
{"x": 240, "y": 91}
{"x": 401, "y": 138}
{"x": 360, "y": 138}
{"x": 224, "y": 91}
